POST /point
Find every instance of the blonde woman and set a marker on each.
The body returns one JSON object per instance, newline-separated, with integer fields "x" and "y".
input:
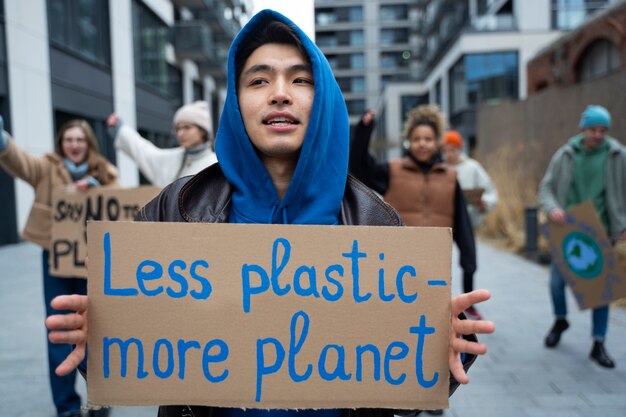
{"x": 76, "y": 160}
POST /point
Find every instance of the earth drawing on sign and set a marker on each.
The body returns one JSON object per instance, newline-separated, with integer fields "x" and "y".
{"x": 583, "y": 255}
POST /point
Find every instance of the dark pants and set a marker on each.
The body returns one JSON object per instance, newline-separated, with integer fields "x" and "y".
{"x": 63, "y": 393}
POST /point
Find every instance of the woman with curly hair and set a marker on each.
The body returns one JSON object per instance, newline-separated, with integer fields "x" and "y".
{"x": 420, "y": 185}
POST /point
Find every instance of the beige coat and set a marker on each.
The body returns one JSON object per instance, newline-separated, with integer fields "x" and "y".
{"x": 44, "y": 173}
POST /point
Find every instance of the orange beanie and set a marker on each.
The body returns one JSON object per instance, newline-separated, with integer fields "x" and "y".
{"x": 452, "y": 137}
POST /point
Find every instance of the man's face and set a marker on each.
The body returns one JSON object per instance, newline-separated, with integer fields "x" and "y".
{"x": 594, "y": 136}
{"x": 275, "y": 99}
{"x": 451, "y": 153}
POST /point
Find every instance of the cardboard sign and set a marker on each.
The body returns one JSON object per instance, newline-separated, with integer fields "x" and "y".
{"x": 583, "y": 254}
{"x": 268, "y": 316}
{"x": 473, "y": 195}
{"x": 71, "y": 209}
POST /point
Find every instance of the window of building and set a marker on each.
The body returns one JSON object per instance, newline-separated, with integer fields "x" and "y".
{"x": 390, "y": 60}
{"x": 477, "y": 78}
{"x": 326, "y": 39}
{"x": 394, "y": 36}
{"x": 355, "y": 106}
{"x": 328, "y": 16}
{"x": 600, "y": 58}
{"x": 175, "y": 83}
{"x": 333, "y": 61}
{"x": 198, "y": 91}
{"x": 356, "y": 38}
{"x": 438, "y": 93}
{"x": 150, "y": 39}
{"x": 357, "y": 61}
{"x": 81, "y": 26}
{"x": 567, "y": 14}
{"x": 390, "y": 12}
{"x": 355, "y": 14}
{"x": 357, "y": 85}
{"x": 325, "y": 17}
{"x": 384, "y": 81}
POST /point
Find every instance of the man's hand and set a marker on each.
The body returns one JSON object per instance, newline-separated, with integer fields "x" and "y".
{"x": 465, "y": 327}
{"x": 82, "y": 185}
{"x": 622, "y": 236}
{"x": 558, "y": 216}
{"x": 368, "y": 117}
{"x": 69, "y": 328}
{"x": 112, "y": 119}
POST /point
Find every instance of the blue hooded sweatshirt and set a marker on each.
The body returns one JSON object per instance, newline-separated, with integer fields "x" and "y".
{"x": 316, "y": 189}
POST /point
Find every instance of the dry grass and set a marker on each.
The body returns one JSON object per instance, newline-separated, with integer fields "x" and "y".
{"x": 517, "y": 189}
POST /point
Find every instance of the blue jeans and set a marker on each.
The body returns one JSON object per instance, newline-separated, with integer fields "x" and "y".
{"x": 63, "y": 392}
{"x": 600, "y": 315}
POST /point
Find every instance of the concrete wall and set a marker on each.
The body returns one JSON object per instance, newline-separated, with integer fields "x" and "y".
{"x": 539, "y": 125}
{"x": 30, "y": 96}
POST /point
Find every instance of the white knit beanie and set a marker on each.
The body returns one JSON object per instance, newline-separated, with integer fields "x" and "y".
{"x": 196, "y": 113}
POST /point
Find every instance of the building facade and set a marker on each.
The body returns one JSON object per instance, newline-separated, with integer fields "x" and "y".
{"x": 588, "y": 52}
{"x": 371, "y": 45}
{"x": 476, "y": 51}
{"x": 66, "y": 59}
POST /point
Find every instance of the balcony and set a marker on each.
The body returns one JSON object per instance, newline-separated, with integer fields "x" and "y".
{"x": 215, "y": 67}
{"x": 193, "y": 40}
{"x": 493, "y": 23}
{"x": 195, "y": 4}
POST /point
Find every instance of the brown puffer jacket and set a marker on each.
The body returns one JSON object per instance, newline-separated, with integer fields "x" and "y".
{"x": 44, "y": 173}
{"x": 422, "y": 199}
{"x": 205, "y": 198}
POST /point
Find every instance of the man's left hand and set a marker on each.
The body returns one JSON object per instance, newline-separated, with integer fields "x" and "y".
{"x": 460, "y": 327}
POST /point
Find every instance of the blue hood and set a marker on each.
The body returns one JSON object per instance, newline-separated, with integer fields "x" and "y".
{"x": 317, "y": 186}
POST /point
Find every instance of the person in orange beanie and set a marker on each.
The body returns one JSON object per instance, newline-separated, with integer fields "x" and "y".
{"x": 480, "y": 193}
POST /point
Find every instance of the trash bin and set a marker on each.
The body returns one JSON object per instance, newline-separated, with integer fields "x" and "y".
{"x": 530, "y": 216}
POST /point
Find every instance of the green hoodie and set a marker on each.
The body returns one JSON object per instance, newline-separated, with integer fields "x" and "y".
{"x": 589, "y": 177}
{"x": 555, "y": 185}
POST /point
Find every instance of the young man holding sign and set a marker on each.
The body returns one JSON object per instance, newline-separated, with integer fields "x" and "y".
{"x": 591, "y": 166}
{"x": 282, "y": 147}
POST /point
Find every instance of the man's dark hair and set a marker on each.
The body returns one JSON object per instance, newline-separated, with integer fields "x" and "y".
{"x": 275, "y": 32}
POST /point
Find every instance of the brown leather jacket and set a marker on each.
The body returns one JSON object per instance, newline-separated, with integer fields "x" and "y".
{"x": 205, "y": 198}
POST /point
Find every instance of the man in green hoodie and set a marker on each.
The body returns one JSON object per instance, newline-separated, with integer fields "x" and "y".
{"x": 591, "y": 166}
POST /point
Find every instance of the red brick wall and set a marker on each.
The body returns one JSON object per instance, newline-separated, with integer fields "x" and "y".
{"x": 557, "y": 65}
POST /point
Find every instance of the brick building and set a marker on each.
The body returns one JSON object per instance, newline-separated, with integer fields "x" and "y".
{"x": 591, "y": 51}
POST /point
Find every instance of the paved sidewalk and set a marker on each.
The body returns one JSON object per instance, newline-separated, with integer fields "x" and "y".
{"x": 518, "y": 377}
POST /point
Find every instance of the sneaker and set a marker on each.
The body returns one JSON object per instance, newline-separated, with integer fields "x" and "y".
{"x": 101, "y": 412}
{"x": 598, "y": 354}
{"x": 73, "y": 413}
{"x": 553, "y": 338}
{"x": 435, "y": 412}
{"x": 473, "y": 314}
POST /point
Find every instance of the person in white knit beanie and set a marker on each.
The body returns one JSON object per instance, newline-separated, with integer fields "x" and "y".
{"x": 194, "y": 132}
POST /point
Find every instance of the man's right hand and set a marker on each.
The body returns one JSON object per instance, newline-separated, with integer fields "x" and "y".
{"x": 69, "y": 328}
{"x": 558, "y": 216}
{"x": 112, "y": 120}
